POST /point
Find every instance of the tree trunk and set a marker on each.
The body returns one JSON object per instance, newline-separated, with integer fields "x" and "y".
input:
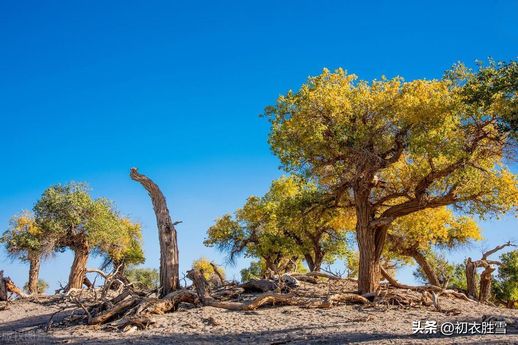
{"x": 471, "y": 278}
{"x": 485, "y": 283}
{"x": 425, "y": 265}
{"x": 319, "y": 254}
{"x": 318, "y": 264}
{"x": 169, "y": 269}
{"x": 310, "y": 262}
{"x": 370, "y": 244}
{"x": 34, "y": 272}
{"x": 369, "y": 271}
{"x": 78, "y": 269}
{"x": 3, "y": 289}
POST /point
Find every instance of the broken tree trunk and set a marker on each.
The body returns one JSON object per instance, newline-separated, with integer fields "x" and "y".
{"x": 485, "y": 283}
{"x": 486, "y": 277}
{"x": 471, "y": 278}
{"x": 169, "y": 271}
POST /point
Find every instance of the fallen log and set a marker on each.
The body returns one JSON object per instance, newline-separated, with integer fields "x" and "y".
{"x": 432, "y": 288}
{"x": 259, "y": 285}
{"x": 108, "y": 314}
{"x": 305, "y": 278}
{"x": 323, "y": 275}
{"x": 335, "y": 299}
{"x": 399, "y": 285}
{"x": 169, "y": 303}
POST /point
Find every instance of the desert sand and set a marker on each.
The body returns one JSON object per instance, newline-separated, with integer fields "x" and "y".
{"x": 26, "y": 322}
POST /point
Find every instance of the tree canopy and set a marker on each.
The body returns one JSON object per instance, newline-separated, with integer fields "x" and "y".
{"x": 68, "y": 214}
{"x": 285, "y": 225}
{"x": 25, "y": 239}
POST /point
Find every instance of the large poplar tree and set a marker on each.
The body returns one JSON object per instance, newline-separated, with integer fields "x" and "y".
{"x": 389, "y": 148}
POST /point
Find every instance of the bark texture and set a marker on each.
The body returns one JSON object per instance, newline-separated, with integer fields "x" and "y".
{"x": 34, "y": 272}
{"x": 169, "y": 270}
{"x": 78, "y": 269}
{"x": 485, "y": 283}
{"x": 471, "y": 278}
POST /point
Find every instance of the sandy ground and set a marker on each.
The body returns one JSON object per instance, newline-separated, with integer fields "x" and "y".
{"x": 24, "y": 322}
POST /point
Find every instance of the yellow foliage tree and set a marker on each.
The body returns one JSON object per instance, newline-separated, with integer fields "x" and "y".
{"x": 286, "y": 225}
{"x": 209, "y": 269}
{"x": 389, "y": 148}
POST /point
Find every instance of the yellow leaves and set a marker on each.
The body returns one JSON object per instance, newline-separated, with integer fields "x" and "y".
{"x": 464, "y": 229}
{"x": 26, "y": 222}
{"x": 423, "y": 229}
{"x": 204, "y": 265}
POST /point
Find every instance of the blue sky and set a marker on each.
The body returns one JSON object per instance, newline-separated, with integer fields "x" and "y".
{"x": 90, "y": 89}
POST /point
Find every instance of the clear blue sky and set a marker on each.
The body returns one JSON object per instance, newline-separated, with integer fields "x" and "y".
{"x": 89, "y": 89}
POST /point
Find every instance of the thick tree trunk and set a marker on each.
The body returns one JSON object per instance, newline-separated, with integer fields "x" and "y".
{"x": 169, "y": 269}
{"x": 425, "y": 265}
{"x": 34, "y": 272}
{"x": 78, "y": 269}
{"x": 471, "y": 278}
{"x": 370, "y": 244}
{"x": 369, "y": 269}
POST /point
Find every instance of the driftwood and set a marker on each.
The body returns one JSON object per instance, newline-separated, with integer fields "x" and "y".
{"x": 259, "y": 285}
{"x": 269, "y": 297}
{"x": 399, "y": 285}
{"x": 434, "y": 290}
{"x": 323, "y": 275}
{"x": 119, "y": 307}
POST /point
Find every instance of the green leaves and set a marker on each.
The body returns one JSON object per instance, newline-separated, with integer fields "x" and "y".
{"x": 287, "y": 222}
{"x": 506, "y": 286}
{"x": 72, "y": 217}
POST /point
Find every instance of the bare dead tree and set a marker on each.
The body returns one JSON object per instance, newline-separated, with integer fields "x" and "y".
{"x": 169, "y": 269}
{"x": 486, "y": 277}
